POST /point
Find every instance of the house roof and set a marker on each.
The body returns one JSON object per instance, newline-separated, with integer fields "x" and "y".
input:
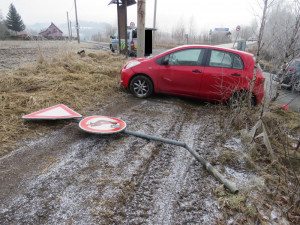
{"x": 52, "y": 24}
{"x": 55, "y": 27}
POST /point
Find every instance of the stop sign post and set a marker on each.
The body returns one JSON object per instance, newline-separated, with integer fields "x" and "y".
{"x": 238, "y": 28}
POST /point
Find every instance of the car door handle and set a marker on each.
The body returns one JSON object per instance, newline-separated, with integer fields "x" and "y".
{"x": 196, "y": 71}
{"x": 236, "y": 74}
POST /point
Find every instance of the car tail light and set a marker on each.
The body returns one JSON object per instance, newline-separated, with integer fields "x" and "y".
{"x": 260, "y": 78}
{"x": 132, "y": 45}
{"x": 291, "y": 69}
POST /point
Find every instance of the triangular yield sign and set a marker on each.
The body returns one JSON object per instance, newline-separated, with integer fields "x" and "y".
{"x": 53, "y": 113}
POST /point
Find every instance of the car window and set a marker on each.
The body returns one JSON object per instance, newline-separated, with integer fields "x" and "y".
{"x": 188, "y": 57}
{"x": 237, "y": 62}
{"x": 220, "y": 59}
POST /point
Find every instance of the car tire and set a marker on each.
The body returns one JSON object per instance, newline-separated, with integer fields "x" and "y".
{"x": 240, "y": 99}
{"x": 112, "y": 48}
{"x": 141, "y": 86}
{"x": 296, "y": 85}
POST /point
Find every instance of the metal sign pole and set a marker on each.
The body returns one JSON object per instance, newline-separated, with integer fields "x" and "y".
{"x": 238, "y": 28}
{"x": 205, "y": 164}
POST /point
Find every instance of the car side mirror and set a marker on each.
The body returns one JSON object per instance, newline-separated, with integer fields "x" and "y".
{"x": 165, "y": 61}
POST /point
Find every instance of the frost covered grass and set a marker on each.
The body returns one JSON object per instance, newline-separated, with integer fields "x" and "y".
{"x": 64, "y": 78}
{"x": 269, "y": 187}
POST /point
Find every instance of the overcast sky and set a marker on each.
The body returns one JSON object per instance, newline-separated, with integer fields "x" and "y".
{"x": 205, "y": 14}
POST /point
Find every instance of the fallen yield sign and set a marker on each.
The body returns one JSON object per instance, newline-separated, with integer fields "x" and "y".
{"x": 53, "y": 113}
{"x": 109, "y": 125}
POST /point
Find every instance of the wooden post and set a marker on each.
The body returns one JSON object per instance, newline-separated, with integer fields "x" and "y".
{"x": 68, "y": 26}
{"x": 71, "y": 30}
{"x": 141, "y": 28}
{"x": 77, "y": 26}
{"x": 154, "y": 23}
{"x": 126, "y": 38}
{"x": 118, "y": 10}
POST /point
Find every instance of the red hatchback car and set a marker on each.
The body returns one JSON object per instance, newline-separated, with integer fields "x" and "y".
{"x": 198, "y": 71}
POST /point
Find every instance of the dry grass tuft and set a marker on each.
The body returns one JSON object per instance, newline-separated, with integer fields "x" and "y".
{"x": 75, "y": 81}
{"x": 279, "y": 177}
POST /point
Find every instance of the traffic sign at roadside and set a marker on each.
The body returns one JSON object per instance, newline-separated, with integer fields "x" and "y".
{"x": 238, "y": 28}
{"x": 132, "y": 24}
{"x": 53, "y": 113}
{"x": 102, "y": 125}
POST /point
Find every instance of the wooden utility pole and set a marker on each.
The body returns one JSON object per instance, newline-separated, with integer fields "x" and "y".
{"x": 68, "y": 26}
{"x": 154, "y": 22}
{"x": 71, "y": 30}
{"x": 126, "y": 42}
{"x": 77, "y": 26}
{"x": 141, "y": 28}
{"x": 119, "y": 31}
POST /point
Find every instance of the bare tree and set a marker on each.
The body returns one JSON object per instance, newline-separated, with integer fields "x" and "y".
{"x": 178, "y": 32}
{"x": 192, "y": 33}
{"x": 248, "y": 31}
{"x": 266, "y": 5}
{"x": 291, "y": 43}
{"x": 3, "y": 29}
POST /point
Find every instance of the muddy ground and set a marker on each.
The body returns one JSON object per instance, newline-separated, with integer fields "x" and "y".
{"x": 14, "y": 54}
{"x": 73, "y": 177}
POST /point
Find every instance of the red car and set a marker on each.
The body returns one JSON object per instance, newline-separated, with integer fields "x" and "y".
{"x": 198, "y": 71}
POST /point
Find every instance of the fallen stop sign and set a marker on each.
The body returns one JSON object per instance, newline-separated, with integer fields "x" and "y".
{"x": 102, "y": 125}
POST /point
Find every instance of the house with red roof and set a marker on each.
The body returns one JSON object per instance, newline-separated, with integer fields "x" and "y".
{"x": 52, "y": 31}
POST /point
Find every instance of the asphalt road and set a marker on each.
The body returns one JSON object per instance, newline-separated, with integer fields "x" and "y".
{"x": 286, "y": 97}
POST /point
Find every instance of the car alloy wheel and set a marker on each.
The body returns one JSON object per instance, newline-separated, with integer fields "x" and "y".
{"x": 296, "y": 85}
{"x": 141, "y": 86}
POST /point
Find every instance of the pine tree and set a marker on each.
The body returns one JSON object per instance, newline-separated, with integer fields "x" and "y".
{"x": 13, "y": 20}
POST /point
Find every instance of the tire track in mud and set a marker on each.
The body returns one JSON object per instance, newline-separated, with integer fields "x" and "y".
{"x": 141, "y": 159}
{"x": 164, "y": 182}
